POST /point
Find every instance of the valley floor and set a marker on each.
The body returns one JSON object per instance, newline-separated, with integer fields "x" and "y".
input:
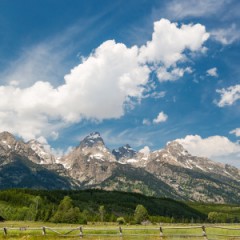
{"x": 33, "y": 231}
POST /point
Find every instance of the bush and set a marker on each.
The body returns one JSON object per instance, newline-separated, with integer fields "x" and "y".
{"x": 121, "y": 220}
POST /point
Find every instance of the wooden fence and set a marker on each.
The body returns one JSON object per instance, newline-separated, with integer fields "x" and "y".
{"x": 162, "y": 232}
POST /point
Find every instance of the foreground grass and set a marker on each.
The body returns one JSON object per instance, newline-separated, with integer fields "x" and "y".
{"x": 92, "y": 231}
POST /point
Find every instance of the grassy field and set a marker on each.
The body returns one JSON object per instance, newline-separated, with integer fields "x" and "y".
{"x": 92, "y": 232}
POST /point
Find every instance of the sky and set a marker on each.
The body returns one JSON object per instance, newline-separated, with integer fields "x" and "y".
{"x": 139, "y": 72}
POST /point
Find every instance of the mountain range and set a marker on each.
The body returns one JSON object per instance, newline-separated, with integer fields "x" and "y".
{"x": 169, "y": 172}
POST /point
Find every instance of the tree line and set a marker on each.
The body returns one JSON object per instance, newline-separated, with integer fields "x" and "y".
{"x": 99, "y": 206}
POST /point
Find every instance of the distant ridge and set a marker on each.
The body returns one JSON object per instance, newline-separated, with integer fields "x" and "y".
{"x": 169, "y": 172}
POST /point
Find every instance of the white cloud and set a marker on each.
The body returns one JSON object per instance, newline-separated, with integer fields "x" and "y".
{"x": 226, "y": 35}
{"x": 236, "y": 132}
{"x": 36, "y": 64}
{"x": 162, "y": 117}
{"x": 170, "y": 41}
{"x": 101, "y": 87}
{"x": 146, "y": 122}
{"x": 50, "y": 59}
{"x": 104, "y": 82}
{"x": 56, "y": 152}
{"x": 158, "y": 95}
{"x": 97, "y": 88}
{"x": 212, "y": 72}
{"x": 217, "y": 148}
{"x": 13, "y": 83}
{"x": 155, "y": 95}
{"x": 168, "y": 48}
{"x": 176, "y": 73}
{"x": 54, "y": 135}
{"x": 228, "y": 96}
{"x": 191, "y": 8}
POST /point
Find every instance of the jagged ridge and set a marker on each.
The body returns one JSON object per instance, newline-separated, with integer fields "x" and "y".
{"x": 169, "y": 172}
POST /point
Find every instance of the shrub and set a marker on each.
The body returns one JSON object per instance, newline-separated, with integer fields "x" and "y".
{"x": 121, "y": 220}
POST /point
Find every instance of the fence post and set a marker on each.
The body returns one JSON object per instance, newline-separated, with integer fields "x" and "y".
{"x": 120, "y": 231}
{"x": 161, "y": 232}
{"x": 204, "y": 232}
{"x": 81, "y": 232}
{"x": 43, "y": 231}
{"x": 5, "y": 231}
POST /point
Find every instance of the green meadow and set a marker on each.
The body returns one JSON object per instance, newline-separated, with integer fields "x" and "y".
{"x": 101, "y": 214}
{"x": 33, "y": 230}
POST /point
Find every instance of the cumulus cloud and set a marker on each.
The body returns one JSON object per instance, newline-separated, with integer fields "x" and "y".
{"x": 170, "y": 41}
{"x": 236, "y": 132}
{"x": 101, "y": 87}
{"x": 226, "y": 36}
{"x": 162, "y": 117}
{"x": 212, "y": 72}
{"x": 217, "y": 148}
{"x": 228, "y": 96}
{"x": 168, "y": 47}
{"x": 103, "y": 83}
{"x": 85, "y": 93}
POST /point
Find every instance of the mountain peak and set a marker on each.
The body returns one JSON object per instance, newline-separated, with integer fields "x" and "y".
{"x": 92, "y": 139}
{"x": 172, "y": 169}
{"x": 7, "y": 142}
{"x": 94, "y": 135}
{"x": 124, "y": 152}
{"x": 176, "y": 148}
{"x": 174, "y": 145}
{"x": 6, "y": 136}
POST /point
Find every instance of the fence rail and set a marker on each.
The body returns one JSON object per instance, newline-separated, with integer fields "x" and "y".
{"x": 161, "y": 232}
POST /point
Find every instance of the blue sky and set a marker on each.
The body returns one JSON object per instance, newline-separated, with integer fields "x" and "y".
{"x": 139, "y": 72}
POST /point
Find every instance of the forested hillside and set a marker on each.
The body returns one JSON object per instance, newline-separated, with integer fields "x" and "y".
{"x": 42, "y": 205}
{"x": 110, "y": 206}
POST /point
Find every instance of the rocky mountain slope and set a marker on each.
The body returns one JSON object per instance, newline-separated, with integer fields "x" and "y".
{"x": 9, "y": 145}
{"x": 91, "y": 162}
{"x": 20, "y": 172}
{"x": 22, "y": 166}
{"x": 46, "y": 157}
{"x": 169, "y": 172}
